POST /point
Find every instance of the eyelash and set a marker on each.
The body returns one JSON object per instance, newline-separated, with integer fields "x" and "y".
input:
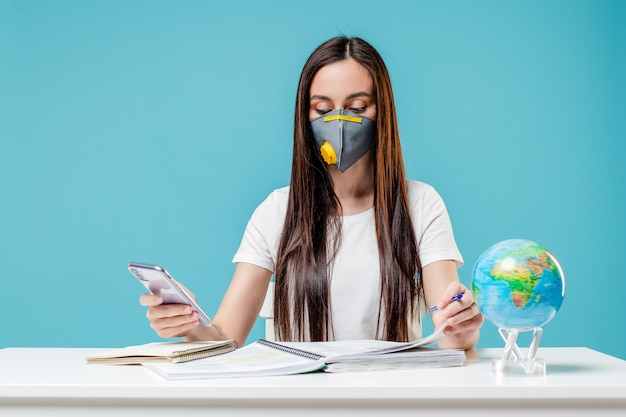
{"x": 357, "y": 110}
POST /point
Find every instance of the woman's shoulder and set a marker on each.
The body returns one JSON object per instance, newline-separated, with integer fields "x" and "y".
{"x": 418, "y": 189}
{"x": 423, "y": 195}
{"x": 278, "y": 196}
{"x": 276, "y": 201}
{"x": 271, "y": 211}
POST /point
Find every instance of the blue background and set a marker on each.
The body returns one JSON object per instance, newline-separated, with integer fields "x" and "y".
{"x": 149, "y": 131}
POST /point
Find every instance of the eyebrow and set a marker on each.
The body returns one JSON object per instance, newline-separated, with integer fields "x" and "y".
{"x": 351, "y": 96}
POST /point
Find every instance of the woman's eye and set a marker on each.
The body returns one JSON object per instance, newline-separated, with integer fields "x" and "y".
{"x": 322, "y": 112}
{"x": 357, "y": 109}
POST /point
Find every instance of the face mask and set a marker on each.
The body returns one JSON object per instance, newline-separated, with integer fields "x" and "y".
{"x": 343, "y": 137}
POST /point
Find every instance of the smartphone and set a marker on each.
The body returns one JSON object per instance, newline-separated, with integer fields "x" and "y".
{"x": 159, "y": 282}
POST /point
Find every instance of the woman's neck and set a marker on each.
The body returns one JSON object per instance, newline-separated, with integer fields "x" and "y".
{"x": 355, "y": 187}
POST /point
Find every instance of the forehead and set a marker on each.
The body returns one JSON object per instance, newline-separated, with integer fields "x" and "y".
{"x": 342, "y": 77}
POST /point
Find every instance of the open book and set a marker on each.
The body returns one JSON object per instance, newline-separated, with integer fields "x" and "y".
{"x": 172, "y": 352}
{"x": 265, "y": 358}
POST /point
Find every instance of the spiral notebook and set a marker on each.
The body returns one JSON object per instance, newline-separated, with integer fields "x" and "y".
{"x": 172, "y": 352}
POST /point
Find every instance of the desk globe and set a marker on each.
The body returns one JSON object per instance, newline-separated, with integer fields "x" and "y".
{"x": 518, "y": 286}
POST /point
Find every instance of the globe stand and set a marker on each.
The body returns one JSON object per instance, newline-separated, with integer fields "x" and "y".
{"x": 513, "y": 359}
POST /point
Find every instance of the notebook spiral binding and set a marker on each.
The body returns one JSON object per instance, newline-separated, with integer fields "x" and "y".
{"x": 291, "y": 350}
{"x": 200, "y": 353}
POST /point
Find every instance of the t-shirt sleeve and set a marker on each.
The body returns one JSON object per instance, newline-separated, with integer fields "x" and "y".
{"x": 260, "y": 239}
{"x": 434, "y": 229}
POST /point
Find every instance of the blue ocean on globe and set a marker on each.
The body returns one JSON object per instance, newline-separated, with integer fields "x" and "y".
{"x": 518, "y": 284}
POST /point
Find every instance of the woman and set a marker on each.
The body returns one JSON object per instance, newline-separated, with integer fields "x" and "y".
{"x": 357, "y": 250}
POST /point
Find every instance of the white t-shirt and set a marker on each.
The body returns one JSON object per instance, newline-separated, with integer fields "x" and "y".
{"x": 355, "y": 282}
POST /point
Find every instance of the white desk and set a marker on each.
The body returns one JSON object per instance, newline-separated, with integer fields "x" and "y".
{"x": 57, "y": 382}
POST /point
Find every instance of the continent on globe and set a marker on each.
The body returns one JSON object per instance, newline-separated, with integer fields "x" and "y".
{"x": 522, "y": 277}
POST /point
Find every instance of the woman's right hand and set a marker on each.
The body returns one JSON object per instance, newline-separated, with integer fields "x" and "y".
{"x": 169, "y": 320}
{"x": 234, "y": 319}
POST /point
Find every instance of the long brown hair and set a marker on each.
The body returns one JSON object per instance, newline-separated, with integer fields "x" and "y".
{"x": 311, "y": 232}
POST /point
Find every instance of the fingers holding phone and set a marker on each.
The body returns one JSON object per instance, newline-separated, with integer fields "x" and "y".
{"x": 169, "y": 320}
{"x": 172, "y": 309}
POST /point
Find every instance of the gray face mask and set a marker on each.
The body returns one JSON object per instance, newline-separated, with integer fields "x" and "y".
{"x": 343, "y": 137}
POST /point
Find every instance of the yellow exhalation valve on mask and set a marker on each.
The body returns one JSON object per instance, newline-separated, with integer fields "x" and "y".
{"x": 328, "y": 153}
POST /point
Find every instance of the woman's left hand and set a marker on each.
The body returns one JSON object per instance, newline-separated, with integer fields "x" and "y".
{"x": 461, "y": 317}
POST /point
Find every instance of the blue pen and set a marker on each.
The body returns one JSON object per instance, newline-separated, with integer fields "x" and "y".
{"x": 456, "y": 297}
